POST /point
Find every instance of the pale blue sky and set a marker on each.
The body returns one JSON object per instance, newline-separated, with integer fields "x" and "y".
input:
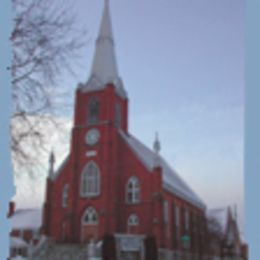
{"x": 182, "y": 63}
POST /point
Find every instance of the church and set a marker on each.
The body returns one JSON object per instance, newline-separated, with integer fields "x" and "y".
{"x": 111, "y": 183}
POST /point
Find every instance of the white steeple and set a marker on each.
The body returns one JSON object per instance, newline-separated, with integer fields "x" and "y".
{"x": 104, "y": 67}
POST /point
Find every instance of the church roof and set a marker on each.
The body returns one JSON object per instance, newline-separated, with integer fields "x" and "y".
{"x": 228, "y": 223}
{"x": 26, "y": 219}
{"x": 172, "y": 182}
{"x": 18, "y": 257}
{"x": 219, "y": 214}
{"x": 104, "y": 67}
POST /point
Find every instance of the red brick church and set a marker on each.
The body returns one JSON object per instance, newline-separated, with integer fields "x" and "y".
{"x": 110, "y": 183}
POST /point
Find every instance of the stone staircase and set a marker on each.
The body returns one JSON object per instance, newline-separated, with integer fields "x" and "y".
{"x": 49, "y": 250}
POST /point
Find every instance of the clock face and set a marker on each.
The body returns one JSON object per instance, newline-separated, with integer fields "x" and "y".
{"x": 92, "y": 136}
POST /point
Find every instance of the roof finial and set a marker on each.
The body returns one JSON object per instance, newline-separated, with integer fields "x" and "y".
{"x": 157, "y": 148}
{"x": 235, "y": 212}
{"x": 51, "y": 164}
{"x": 156, "y": 145}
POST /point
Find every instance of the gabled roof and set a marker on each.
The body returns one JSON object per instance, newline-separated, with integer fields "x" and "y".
{"x": 227, "y": 222}
{"x": 172, "y": 182}
{"x": 61, "y": 167}
{"x": 26, "y": 219}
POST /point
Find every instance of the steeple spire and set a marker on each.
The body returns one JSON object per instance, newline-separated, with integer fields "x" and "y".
{"x": 105, "y": 30}
{"x": 104, "y": 66}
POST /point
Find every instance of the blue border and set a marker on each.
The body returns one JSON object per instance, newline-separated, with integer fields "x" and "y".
{"x": 6, "y": 186}
{"x": 252, "y": 140}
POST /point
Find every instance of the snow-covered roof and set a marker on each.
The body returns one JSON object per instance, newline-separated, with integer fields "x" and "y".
{"x": 26, "y": 219}
{"x": 228, "y": 223}
{"x": 104, "y": 67}
{"x": 16, "y": 242}
{"x": 18, "y": 257}
{"x": 172, "y": 182}
{"x": 61, "y": 167}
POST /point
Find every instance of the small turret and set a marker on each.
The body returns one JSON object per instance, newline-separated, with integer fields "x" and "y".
{"x": 157, "y": 148}
{"x": 51, "y": 165}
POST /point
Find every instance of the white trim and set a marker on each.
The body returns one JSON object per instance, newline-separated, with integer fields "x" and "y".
{"x": 91, "y": 153}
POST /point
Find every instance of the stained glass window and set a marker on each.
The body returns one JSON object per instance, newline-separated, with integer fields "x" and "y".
{"x": 133, "y": 190}
{"x": 90, "y": 180}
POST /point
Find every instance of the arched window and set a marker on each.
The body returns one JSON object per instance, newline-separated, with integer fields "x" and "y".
{"x": 117, "y": 115}
{"x": 90, "y": 217}
{"x": 90, "y": 180}
{"x": 133, "y": 190}
{"x": 187, "y": 219}
{"x": 93, "y": 111}
{"x": 133, "y": 220}
{"x": 65, "y": 195}
{"x": 166, "y": 211}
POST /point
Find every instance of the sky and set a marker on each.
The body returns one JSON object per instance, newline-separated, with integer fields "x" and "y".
{"x": 182, "y": 64}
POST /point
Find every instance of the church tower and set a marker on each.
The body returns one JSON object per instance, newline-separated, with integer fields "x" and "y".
{"x": 100, "y": 110}
{"x": 111, "y": 183}
{"x": 84, "y": 199}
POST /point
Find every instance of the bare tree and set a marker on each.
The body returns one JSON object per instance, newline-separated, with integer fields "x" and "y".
{"x": 45, "y": 41}
{"x": 214, "y": 236}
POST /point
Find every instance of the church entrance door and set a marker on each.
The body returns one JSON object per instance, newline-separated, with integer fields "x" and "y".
{"x": 89, "y": 233}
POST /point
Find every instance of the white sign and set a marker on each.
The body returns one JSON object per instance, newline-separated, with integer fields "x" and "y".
{"x": 130, "y": 243}
{"x": 91, "y": 153}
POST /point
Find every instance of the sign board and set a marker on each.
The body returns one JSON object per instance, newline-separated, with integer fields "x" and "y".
{"x": 185, "y": 238}
{"x": 129, "y": 243}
